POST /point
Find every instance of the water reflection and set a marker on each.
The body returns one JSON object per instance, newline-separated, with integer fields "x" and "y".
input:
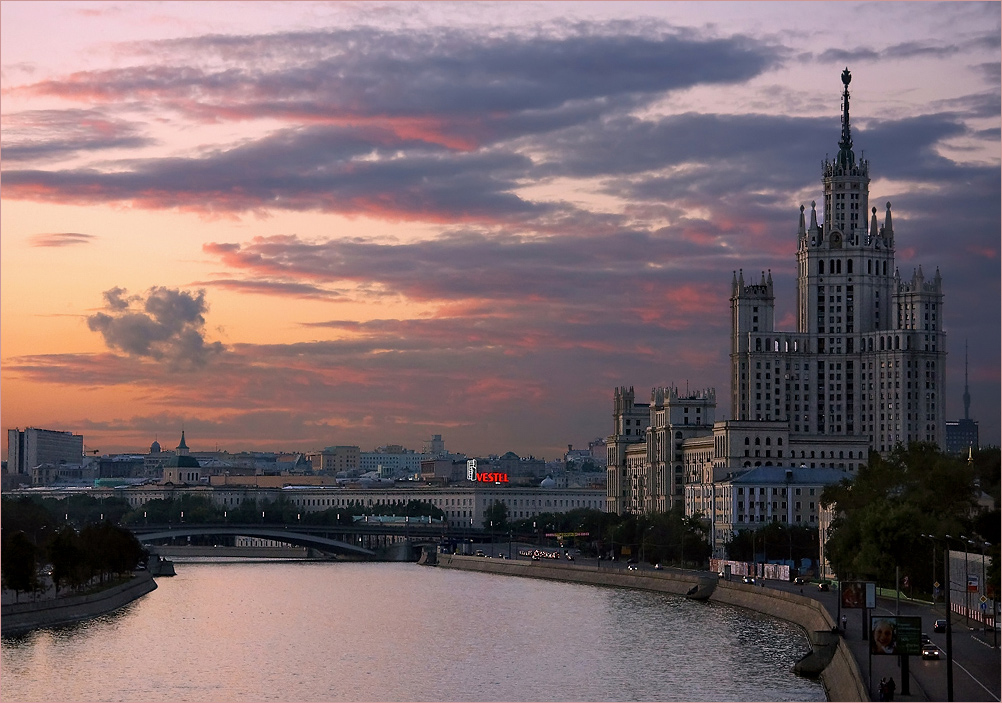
{"x": 321, "y": 631}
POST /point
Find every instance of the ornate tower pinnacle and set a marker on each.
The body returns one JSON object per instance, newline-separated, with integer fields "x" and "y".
{"x": 846, "y": 159}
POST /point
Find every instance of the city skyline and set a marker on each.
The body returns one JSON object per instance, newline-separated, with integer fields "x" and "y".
{"x": 303, "y": 224}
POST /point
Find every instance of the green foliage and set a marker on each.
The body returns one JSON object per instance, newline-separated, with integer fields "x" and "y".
{"x": 66, "y": 553}
{"x": 196, "y": 509}
{"x": 882, "y": 514}
{"x": 19, "y": 565}
{"x": 25, "y": 515}
{"x": 496, "y": 516}
{"x": 775, "y": 541}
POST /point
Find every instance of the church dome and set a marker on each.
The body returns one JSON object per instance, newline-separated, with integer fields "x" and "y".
{"x": 547, "y": 482}
{"x": 155, "y": 447}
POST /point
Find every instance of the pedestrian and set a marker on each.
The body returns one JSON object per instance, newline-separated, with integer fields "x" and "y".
{"x": 883, "y": 689}
{"x": 843, "y": 623}
{"x": 890, "y": 689}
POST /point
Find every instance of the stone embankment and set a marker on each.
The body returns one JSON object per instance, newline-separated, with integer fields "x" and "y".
{"x": 16, "y": 618}
{"x": 830, "y": 658}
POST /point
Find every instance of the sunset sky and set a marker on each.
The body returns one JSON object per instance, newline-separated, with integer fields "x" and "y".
{"x": 288, "y": 225}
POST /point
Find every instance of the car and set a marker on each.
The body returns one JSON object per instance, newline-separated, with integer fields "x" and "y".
{"x": 748, "y": 579}
{"x": 800, "y": 580}
{"x": 824, "y": 586}
{"x": 925, "y": 639}
{"x": 570, "y": 557}
{"x": 930, "y": 651}
{"x": 939, "y": 626}
{"x": 658, "y": 567}
{"x": 632, "y": 567}
{"x": 479, "y": 553}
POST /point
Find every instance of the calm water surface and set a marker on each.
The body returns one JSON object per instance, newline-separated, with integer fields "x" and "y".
{"x": 293, "y": 631}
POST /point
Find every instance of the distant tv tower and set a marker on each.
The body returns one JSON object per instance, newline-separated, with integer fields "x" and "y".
{"x": 967, "y": 393}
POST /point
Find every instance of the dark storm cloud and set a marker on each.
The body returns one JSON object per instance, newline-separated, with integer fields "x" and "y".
{"x": 167, "y": 325}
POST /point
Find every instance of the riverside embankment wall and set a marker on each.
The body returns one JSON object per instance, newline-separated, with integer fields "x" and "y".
{"x": 841, "y": 678}
{"x": 22, "y": 617}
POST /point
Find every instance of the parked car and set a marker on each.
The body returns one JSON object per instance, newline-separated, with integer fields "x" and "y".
{"x": 930, "y": 651}
{"x": 939, "y": 626}
{"x": 748, "y": 579}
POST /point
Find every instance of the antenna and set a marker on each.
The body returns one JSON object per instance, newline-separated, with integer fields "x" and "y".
{"x": 967, "y": 393}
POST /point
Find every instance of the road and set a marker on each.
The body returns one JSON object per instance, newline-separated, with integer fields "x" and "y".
{"x": 976, "y": 660}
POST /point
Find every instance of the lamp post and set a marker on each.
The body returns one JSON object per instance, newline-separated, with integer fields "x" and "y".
{"x": 948, "y": 579}
{"x": 933, "y": 582}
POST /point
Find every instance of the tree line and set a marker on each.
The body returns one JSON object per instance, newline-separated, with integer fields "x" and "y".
{"x": 34, "y": 538}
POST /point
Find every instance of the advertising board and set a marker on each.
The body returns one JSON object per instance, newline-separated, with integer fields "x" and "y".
{"x": 896, "y": 634}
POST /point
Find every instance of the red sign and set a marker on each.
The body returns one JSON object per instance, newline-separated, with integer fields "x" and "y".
{"x": 492, "y": 478}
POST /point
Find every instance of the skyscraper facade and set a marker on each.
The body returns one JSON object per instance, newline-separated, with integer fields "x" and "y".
{"x": 868, "y": 357}
{"x": 864, "y": 370}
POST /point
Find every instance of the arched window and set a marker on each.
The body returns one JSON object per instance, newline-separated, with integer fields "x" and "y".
{"x": 821, "y": 266}
{"x": 848, "y": 266}
{"x": 838, "y": 266}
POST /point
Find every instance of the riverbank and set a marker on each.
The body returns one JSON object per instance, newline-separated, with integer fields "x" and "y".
{"x": 841, "y": 676}
{"x": 17, "y": 618}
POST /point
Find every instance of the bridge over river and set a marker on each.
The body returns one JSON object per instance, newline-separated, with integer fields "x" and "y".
{"x": 360, "y": 540}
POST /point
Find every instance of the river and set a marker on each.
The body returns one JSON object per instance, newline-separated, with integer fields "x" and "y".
{"x": 322, "y": 631}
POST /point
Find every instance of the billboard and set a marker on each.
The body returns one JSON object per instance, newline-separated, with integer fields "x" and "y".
{"x": 853, "y": 594}
{"x": 896, "y": 634}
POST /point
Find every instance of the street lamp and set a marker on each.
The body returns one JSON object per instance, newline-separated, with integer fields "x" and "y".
{"x": 933, "y": 540}
{"x": 948, "y": 584}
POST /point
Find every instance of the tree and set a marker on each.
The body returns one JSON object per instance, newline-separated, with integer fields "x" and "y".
{"x": 67, "y": 557}
{"x": 881, "y": 514}
{"x": 496, "y": 515}
{"x": 19, "y": 565}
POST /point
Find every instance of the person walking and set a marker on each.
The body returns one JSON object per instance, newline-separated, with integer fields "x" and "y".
{"x": 843, "y": 623}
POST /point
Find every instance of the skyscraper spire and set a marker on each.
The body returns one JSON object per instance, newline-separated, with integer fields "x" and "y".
{"x": 846, "y": 159}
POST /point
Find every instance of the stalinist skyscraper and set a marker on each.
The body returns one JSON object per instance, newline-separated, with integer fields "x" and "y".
{"x": 864, "y": 370}
{"x": 868, "y": 358}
